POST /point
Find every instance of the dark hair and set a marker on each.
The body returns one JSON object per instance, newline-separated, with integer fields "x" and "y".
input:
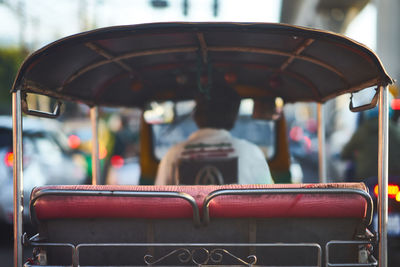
{"x": 217, "y": 109}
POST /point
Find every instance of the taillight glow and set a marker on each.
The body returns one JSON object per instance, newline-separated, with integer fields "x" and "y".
{"x": 307, "y": 142}
{"x": 393, "y": 191}
{"x": 296, "y": 133}
{"x": 9, "y": 159}
{"x": 102, "y": 151}
{"x": 395, "y": 104}
{"x": 117, "y": 161}
{"x": 230, "y": 77}
{"x": 74, "y": 141}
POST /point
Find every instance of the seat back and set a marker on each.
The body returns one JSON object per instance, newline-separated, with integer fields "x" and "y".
{"x": 108, "y": 223}
{"x": 208, "y": 171}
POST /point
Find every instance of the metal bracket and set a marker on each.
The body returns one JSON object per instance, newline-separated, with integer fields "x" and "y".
{"x": 366, "y": 106}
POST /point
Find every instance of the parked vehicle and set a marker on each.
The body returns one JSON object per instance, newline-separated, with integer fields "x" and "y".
{"x": 79, "y": 140}
{"x": 132, "y": 66}
{"x": 393, "y": 226}
{"x": 47, "y": 160}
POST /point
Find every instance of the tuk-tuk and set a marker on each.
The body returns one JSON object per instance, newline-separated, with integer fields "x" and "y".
{"x": 324, "y": 224}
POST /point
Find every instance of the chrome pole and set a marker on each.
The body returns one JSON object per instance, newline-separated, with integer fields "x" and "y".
{"x": 321, "y": 144}
{"x": 383, "y": 157}
{"x": 95, "y": 146}
{"x": 17, "y": 176}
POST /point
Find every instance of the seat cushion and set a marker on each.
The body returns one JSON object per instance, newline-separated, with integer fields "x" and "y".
{"x": 59, "y": 204}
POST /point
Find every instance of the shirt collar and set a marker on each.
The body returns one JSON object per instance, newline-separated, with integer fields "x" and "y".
{"x": 209, "y": 132}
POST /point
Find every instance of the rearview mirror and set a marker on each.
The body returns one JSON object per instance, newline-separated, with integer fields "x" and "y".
{"x": 40, "y": 113}
{"x": 364, "y": 99}
{"x": 267, "y": 109}
{"x": 159, "y": 113}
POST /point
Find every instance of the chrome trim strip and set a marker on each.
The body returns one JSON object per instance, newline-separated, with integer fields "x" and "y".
{"x": 95, "y": 146}
{"x": 17, "y": 177}
{"x": 321, "y": 144}
{"x": 383, "y": 159}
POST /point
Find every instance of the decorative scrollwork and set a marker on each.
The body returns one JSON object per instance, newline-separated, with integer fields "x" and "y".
{"x": 217, "y": 255}
{"x": 197, "y": 256}
{"x": 184, "y": 256}
{"x": 200, "y": 256}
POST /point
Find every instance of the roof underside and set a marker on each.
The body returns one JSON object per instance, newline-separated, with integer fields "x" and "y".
{"x": 132, "y": 65}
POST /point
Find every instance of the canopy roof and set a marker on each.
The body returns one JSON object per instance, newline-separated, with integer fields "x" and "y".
{"x": 132, "y": 65}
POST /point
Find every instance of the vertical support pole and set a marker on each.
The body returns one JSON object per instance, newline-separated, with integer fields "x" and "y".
{"x": 383, "y": 157}
{"x": 95, "y": 146}
{"x": 17, "y": 176}
{"x": 321, "y": 144}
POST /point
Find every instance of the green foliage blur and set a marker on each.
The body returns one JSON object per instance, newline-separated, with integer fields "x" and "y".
{"x": 10, "y": 60}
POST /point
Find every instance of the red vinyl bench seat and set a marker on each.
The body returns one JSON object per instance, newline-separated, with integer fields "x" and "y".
{"x": 57, "y": 203}
{"x": 240, "y": 214}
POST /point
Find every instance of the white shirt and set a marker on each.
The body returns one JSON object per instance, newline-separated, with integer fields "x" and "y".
{"x": 252, "y": 169}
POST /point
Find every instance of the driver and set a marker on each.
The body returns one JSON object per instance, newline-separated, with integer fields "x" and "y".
{"x": 215, "y": 115}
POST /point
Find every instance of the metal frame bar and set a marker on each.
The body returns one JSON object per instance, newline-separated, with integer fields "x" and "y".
{"x": 293, "y": 75}
{"x": 321, "y": 144}
{"x": 126, "y": 56}
{"x": 95, "y": 146}
{"x": 46, "y": 244}
{"x": 103, "y": 52}
{"x": 291, "y": 56}
{"x": 17, "y": 176}
{"x": 203, "y": 47}
{"x": 278, "y": 53}
{"x": 98, "y": 193}
{"x": 275, "y": 191}
{"x": 75, "y": 249}
{"x": 296, "y": 53}
{"x": 343, "y": 242}
{"x": 383, "y": 160}
{"x": 315, "y": 245}
{"x": 300, "y": 78}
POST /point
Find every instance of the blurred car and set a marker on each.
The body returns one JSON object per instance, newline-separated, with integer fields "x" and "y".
{"x": 393, "y": 223}
{"x": 124, "y": 171}
{"x": 393, "y": 228}
{"x": 47, "y": 159}
{"x": 79, "y": 139}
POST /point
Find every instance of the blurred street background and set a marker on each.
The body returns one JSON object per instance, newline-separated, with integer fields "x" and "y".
{"x": 28, "y": 25}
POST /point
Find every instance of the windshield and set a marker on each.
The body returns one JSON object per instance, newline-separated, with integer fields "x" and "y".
{"x": 259, "y": 132}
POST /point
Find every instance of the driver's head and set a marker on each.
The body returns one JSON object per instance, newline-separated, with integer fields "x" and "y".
{"x": 218, "y": 109}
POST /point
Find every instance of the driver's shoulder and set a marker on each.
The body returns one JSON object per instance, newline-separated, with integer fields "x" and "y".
{"x": 243, "y": 144}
